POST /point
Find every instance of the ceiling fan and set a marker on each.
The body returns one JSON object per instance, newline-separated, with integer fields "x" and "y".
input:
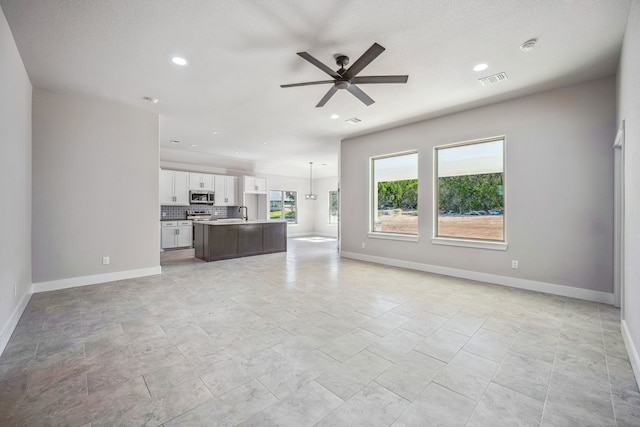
{"x": 348, "y": 78}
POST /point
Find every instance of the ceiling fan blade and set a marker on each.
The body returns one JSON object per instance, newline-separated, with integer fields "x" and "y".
{"x": 319, "y": 64}
{"x": 379, "y": 79}
{"x": 319, "y": 82}
{"x": 358, "y": 93}
{"x": 366, "y": 58}
{"x": 327, "y": 96}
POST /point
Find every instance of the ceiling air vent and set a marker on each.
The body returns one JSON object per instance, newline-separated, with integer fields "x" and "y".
{"x": 490, "y": 80}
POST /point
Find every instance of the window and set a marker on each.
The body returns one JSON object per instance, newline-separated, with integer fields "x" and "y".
{"x": 283, "y": 205}
{"x": 395, "y": 194}
{"x": 333, "y": 207}
{"x": 470, "y": 190}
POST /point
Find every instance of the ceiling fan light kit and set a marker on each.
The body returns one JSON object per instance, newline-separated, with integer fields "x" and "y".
{"x": 348, "y": 78}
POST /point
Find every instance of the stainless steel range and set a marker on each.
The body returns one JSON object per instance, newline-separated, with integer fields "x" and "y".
{"x": 198, "y": 215}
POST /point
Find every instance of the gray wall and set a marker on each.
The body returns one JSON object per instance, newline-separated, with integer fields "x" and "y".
{"x": 629, "y": 110}
{"x": 15, "y": 183}
{"x": 91, "y": 157}
{"x": 559, "y": 180}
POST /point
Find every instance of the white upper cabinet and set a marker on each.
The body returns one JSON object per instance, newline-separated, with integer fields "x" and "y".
{"x": 226, "y": 188}
{"x": 174, "y": 188}
{"x": 201, "y": 181}
{"x": 254, "y": 184}
{"x": 166, "y": 187}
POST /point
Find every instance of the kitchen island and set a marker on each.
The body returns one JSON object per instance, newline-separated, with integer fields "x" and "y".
{"x": 224, "y": 239}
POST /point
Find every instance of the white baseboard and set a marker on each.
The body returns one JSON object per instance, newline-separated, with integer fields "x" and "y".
{"x": 312, "y": 235}
{"x": 11, "y": 324}
{"x": 514, "y": 282}
{"x": 632, "y": 351}
{"x": 296, "y": 234}
{"x": 73, "y": 282}
{"x": 332, "y": 235}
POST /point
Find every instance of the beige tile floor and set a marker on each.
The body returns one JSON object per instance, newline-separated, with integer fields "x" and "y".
{"x": 306, "y": 338}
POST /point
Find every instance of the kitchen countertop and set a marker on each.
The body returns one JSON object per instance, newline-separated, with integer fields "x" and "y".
{"x": 237, "y": 222}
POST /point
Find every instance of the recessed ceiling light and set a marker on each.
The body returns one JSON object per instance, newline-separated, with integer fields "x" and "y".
{"x": 237, "y": 152}
{"x": 215, "y": 132}
{"x": 175, "y": 141}
{"x": 151, "y": 99}
{"x": 265, "y": 143}
{"x": 194, "y": 145}
{"x": 335, "y": 116}
{"x": 529, "y": 45}
{"x": 480, "y": 67}
{"x": 179, "y": 61}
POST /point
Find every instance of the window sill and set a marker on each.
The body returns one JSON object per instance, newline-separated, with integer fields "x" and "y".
{"x": 391, "y": 236}
{"x": 478, "y": 244}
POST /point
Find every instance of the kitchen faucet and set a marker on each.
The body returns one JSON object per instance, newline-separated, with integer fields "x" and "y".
{"x": 246, "y": 214}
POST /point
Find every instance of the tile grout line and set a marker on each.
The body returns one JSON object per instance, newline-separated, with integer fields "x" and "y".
{"x": 490, "y": 380}
{"x": 396, "y": 394}
{"x": 606, "y": 362}
{"x": 86, "y": 374}
{"x": 146, "y": 386}
{"x": 553, "y": 367}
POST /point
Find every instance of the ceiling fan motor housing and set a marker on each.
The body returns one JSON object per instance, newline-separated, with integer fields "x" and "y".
{"x": 348, "y": 78}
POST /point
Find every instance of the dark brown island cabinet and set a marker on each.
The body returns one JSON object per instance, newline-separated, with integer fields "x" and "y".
{"x": 218, "y": 240}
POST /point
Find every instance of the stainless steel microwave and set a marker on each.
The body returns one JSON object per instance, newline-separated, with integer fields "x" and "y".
{"x": 201, "y": 197}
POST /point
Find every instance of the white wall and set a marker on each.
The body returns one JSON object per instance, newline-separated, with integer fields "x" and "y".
{"x": 306, "y": 208}
{"x": 203, "y": 162}
{"x": 15, "y": 184}
{"x": 559, "y": 180}
{"x": 322, "y": 186}
{"x": 95, "y": 190}
{"x": 629, "y": 110}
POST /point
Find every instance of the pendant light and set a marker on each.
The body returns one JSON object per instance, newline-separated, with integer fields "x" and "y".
{"x": 311, "y": 196}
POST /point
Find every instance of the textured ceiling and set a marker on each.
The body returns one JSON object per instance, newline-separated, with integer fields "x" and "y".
{"x": 240, "y": 51}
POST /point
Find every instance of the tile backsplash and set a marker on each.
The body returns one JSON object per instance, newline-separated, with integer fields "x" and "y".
{"x": 180, "y": 212}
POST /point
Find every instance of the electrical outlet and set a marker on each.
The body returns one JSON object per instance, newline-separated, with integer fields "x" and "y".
{"x": 362, "y": 245}
{"x": 105, "y": 260}
{"x": 514, "y": 263}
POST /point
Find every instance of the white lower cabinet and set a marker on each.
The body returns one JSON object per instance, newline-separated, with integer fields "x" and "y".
{"x": 176, "y": 234}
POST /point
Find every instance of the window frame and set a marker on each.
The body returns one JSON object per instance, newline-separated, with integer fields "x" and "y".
{"x": 337, "y": 216}
{"x": 373, "y": 200}
{"x": 469, "y": 241}
{"x": 282, "y": 212}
